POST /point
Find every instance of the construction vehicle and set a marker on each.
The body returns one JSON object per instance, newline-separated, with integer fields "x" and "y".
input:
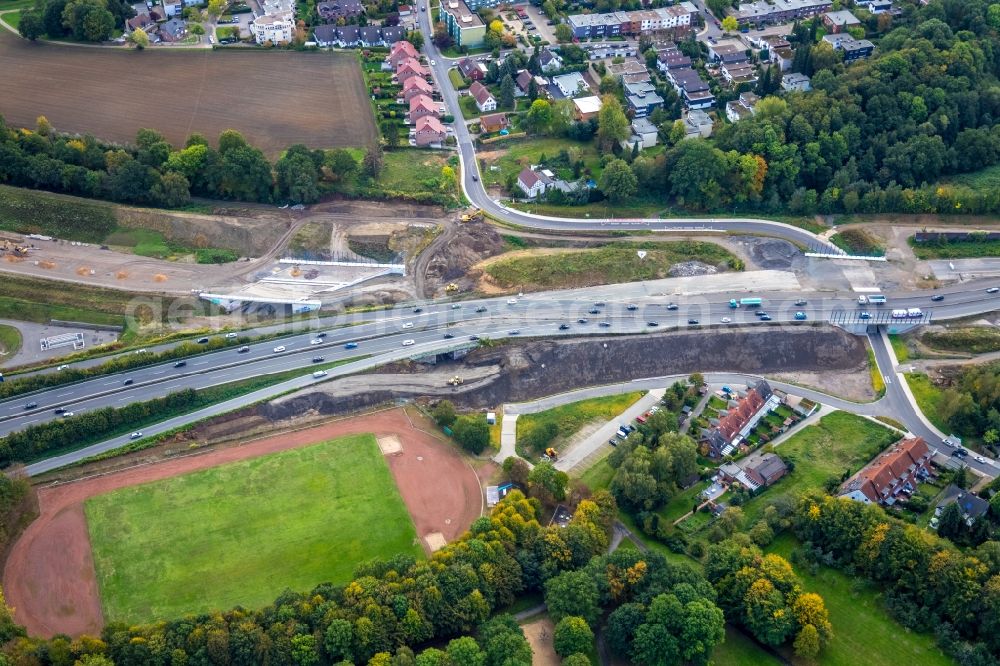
{"x": 476, "y": 215}
{"x": 551, "y": 453}
{"x": 16, "y": 250}
{"x": 451, "y": 288}
{"x": 455, "y": 381}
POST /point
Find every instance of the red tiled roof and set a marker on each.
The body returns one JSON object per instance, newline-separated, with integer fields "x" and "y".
{"x": 480, "y": 92}
{"x": 422, "y": 101}
{"x": 733, "y": 422}
{"x": 430, "y": 124}
{"x": 405, "y": 47}
{"x": 900, "y": 462}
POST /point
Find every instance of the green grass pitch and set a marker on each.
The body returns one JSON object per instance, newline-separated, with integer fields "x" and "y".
{"x": 239, "y": 534}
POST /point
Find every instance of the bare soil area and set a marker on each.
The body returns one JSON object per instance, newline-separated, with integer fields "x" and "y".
{"x": 49, "y": 576}
{"x": 539, "y": 635}
{"x": 111, "y": 93}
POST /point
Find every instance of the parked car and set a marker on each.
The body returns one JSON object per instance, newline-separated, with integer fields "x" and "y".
{"x": 514, "y": 331}
{"x": 725, "y": 320}
{"x": 417, "y": 310}
{"x": 66, "y": 415}
{"x": 981, "y": 459}
{"x": 992, "y": 290}
{"x": 59, "y": 410}
{"x": 653, "y": 324}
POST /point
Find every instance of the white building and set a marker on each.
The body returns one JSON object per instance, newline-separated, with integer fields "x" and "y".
{"x": 274, "y": 29}
{"x": 571, "y": 85}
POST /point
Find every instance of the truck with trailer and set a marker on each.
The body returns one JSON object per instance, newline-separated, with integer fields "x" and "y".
{"x": 874, "y": 299}
{"x": 746, "y": 302}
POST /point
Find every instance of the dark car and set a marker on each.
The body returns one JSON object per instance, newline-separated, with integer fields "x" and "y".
{"x": 318, "y": 359}
{"x": 761, "y": 314}
{"x": 321, "y": 335}
{"x": 595, "y": 311}
{"x": 765, "y": 317}
{"x": 202, "y": 341}
{"x": 599, "y": 304}
{"x": 449, "y": 336}
{"x": 692, "y": 321}
{"x": 939, "y": 297}
{"x": 633, "y": 306}
{"x": 653, "y": 323}
{"x": 800, "y": 303}
{"x": 473, "y": 337}
{"x": 128, "y": 382}
{"x": 243, "y": 350}
{"x": 481, "y": 308}
{"x": 581, "y": 320}
{"x": 613, "y": 442}
{"x": 59, "y": 410}
{"x": 672, "y": 306}
{"x": 475, "y": 178}
{"x": 31, "y": 405}
{"x": 605, "y": 324}
{"x": 180, "y": 364}
{"x": 563, "y": 327}
{"x": 418, "y": 310}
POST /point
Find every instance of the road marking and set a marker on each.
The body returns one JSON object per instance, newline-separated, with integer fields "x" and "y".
{"x": 159, "y": 372}
{"x": 31, "y": 421}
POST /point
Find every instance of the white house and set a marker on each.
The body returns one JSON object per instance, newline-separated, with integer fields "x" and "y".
{"x": 795, "y": 82}
{"x": 697, "y": 124}
{"x": 485, "y": 101}
{"x": 644, "y": 133}
{"x": 571, "y": 85}
{"x": 173, "y": 8}
{"x": 272, "y": 29}
{"x": 550, "y": 61}
{"x": 534, "y": 183}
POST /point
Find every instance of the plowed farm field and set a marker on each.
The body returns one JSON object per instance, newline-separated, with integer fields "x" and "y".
{"x": 275, "y": 98}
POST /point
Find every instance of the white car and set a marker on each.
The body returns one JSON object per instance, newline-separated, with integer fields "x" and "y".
{"x": 232, "y": 335}
{"x": 981, "y": 459}
{"x": 433, "y": 62}
{"x": 456, "y": 306}
{"x": 62, "y": 367}
{"x": 408, "y": 324}
{"x": 511, "y": 301}
{"x": 992, "y": 290}
{"x": 136, "y": 435}
{"x": 66, "y": 415}
{"x": 316, "y": 341}
{"x": 279, "y": 349}
{"x": 726, "y": 320}
{"x": 407, "y": 343}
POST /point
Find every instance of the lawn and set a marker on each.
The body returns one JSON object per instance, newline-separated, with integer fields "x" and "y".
{"x": 863, "y": 630}
{"x": 457, "y": 82}
{"x": 899, "y": 348}
{"x": 10, "y": 340}
{"x": 613, "y": 263}
{"x": 521, "y": 153}
{"x": 972, "y": 340}
{"x": 739, "y": 650}
{"x": 859, "y": 242}
{"x": 928, "y": 397}
{"x": 682, "y": 502}
{"x": 599, "y": 475}
{"x": 568, "y": 419}
{"x": 839, "y": 442}
{"x": 241, "y": 533}
{"x": 954, "y": 250}
{"x": 13, "y": 19}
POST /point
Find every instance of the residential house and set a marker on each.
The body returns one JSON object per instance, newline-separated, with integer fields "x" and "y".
{"x": 348, "y": 37}
{"x": 272, "y": 28}
{"x": 523, "y": 82}
{"x": 401, "y": 52}
{"x": 142, "y": 22}
{"x": 463, "y": 23}
{"x": 472, "y": 69}
{"x": 644, "y": 133}
{"x": 667, "y": 61}
{"x": 892, "y": 476}
{"x": 173, "y": 8}
{"x": 414, "y": 86}
{"x": 780, "y": 11}
{"x": 493, "y": 122}
{"x": 741, "y": 108}
{"x": 534, "y": 182}
{"x": 550, "y": 61}
{"x": 697, "y": 124}
{"x": 840, "y": 21}
{"x": 642, "y": 98}
{"x": 728, "y": 51}
{"x": 972, "y": 507}
{"x": 739, "y": 73}
{"x": 409, "y": 69}
{"x": 741, "y": 418}
{"x": 586, "y": 108}
{"x": 854, "y": 49}
{"x": 422, "y": 105}
{"x": 325, "y": 36}
{"x": 783, "y": 57}
{"x": 392, "y": 34}
{"x": 173, "y": 30}
{"x": 370, "y": 36}
{"x": 485, "y": 101}
{"x": 755, "y": 471}
{"x": 429, "y": 132}
{"x": 333, "y": 10}
{"x": 795, "y": 82}
{"x": 405, "y": 10}
{"x": 642, "y": 21}
{"x": 692, "y": 89}
{"x": 571, "y": 85}
{"x": 630, "y": 70}
{"x": 879, "y": 6}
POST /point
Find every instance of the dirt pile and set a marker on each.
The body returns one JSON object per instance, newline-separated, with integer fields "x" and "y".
{"x": 251, "y": 232}
{"x": 465, "y": 246}
{"x": 526, "y": 370}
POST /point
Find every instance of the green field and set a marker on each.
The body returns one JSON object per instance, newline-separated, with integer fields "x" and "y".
{"x": 863, "y": 631}
{"x": 522, "y": 153}
{"x": 858, "y": 242}
{"x": 10, "y": 341}
{"x": 568, "y": 419}
{"x": 613, "y": 263}
{"x": 971, "y": 340}
{"x": 839, "y": 442}
{"x": 900, "y": 348}
{"x": 928, "y": 397}
{"x": 956, "y": 250}
{"x": 739, "y": 650}
{"x": 239, "y": 534}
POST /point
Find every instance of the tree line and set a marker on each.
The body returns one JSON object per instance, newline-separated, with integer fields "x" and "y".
{"x": 82, "y": 20}
{"x": 391, "y": 609}
{"x": 155, "y": 173}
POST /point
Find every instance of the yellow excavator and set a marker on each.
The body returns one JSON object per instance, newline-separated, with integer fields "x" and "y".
{"x": 474, "y": 215}
{"x": 551, "y": 453}
{"x": 455, "y": 381}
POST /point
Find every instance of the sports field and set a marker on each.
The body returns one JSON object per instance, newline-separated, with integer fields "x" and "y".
{"x": 275, "y": 98}
{"x": 239, "y": 534}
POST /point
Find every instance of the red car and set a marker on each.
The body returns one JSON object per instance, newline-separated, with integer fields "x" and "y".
{"x": 641, "y": 419}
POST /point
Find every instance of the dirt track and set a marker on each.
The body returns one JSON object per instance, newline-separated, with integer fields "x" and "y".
{"x": 49, "y": 577}
{"x": 111, "y": 93}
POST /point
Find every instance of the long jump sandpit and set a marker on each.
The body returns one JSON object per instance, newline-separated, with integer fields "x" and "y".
{"x": 49, "y": 577}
